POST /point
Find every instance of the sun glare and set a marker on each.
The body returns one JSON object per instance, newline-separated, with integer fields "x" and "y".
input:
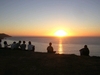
{"x": 60, "y": 33}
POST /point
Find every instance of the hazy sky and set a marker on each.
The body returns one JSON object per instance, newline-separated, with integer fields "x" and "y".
{"x": 45, "y": 17}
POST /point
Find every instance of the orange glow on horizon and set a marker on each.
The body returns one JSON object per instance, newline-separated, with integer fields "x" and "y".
{"x": 53, "y": 32}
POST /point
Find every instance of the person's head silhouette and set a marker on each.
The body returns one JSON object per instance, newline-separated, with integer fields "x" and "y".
{"x": 50, "y": 43}
{"x": 85, "y": 46}
{"x": 29, "y": 42}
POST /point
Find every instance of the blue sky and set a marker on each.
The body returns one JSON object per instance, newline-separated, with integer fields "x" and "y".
{"x": 44, "y": 17}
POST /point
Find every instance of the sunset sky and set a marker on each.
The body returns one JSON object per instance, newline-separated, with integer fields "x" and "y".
{"x": 45, "y": 17}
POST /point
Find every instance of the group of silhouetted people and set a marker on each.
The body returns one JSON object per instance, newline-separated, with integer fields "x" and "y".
{"x": 18, "y": 46}
{"x": 83, "y": 52}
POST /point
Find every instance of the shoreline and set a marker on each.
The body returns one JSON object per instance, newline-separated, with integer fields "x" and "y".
{"x": 45, "y": 52}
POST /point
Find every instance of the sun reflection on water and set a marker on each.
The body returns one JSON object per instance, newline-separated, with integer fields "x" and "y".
{"x": 60, "y": 50}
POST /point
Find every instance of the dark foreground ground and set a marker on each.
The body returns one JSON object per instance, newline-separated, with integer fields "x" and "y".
{"x": 16, "y": 62}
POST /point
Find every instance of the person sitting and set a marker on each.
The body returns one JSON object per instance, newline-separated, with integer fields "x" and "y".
{"x": 18, "y": 45}
{"x": 13, "y": 46}
{"x": 30, "y": 46}
{"x": 23, "y": 46}
{"x": 84, "y": 51}
{"x": 5, "y": 44}
{"x": 50, "y": 48}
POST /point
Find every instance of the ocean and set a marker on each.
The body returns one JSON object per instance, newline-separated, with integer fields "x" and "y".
{"x": 68, "y": 45}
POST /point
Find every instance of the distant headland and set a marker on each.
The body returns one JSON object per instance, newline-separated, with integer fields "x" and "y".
{"x": 3, "y": 35}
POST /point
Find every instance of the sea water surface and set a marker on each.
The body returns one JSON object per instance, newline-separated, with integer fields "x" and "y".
{"x": 68, "y": 45}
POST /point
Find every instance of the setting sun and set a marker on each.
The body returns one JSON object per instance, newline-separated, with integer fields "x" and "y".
{"x": 60, "y": 33}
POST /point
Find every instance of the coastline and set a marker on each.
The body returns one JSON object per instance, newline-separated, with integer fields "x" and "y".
{"x": 69, "y": 47}
{"x": 17, "y": 62}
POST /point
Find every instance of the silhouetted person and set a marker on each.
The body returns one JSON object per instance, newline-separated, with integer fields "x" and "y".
{"x": 0, "y": 44}
{"x": 30, "y": 46}
{"x": 50, "y": 48}
{"x": 84, "y": 51}
{"x": 13, "y": 46}
{"x": 18, "y": 45}
{"x": 5, "y": 44}
{"x": 23, "y": 46}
